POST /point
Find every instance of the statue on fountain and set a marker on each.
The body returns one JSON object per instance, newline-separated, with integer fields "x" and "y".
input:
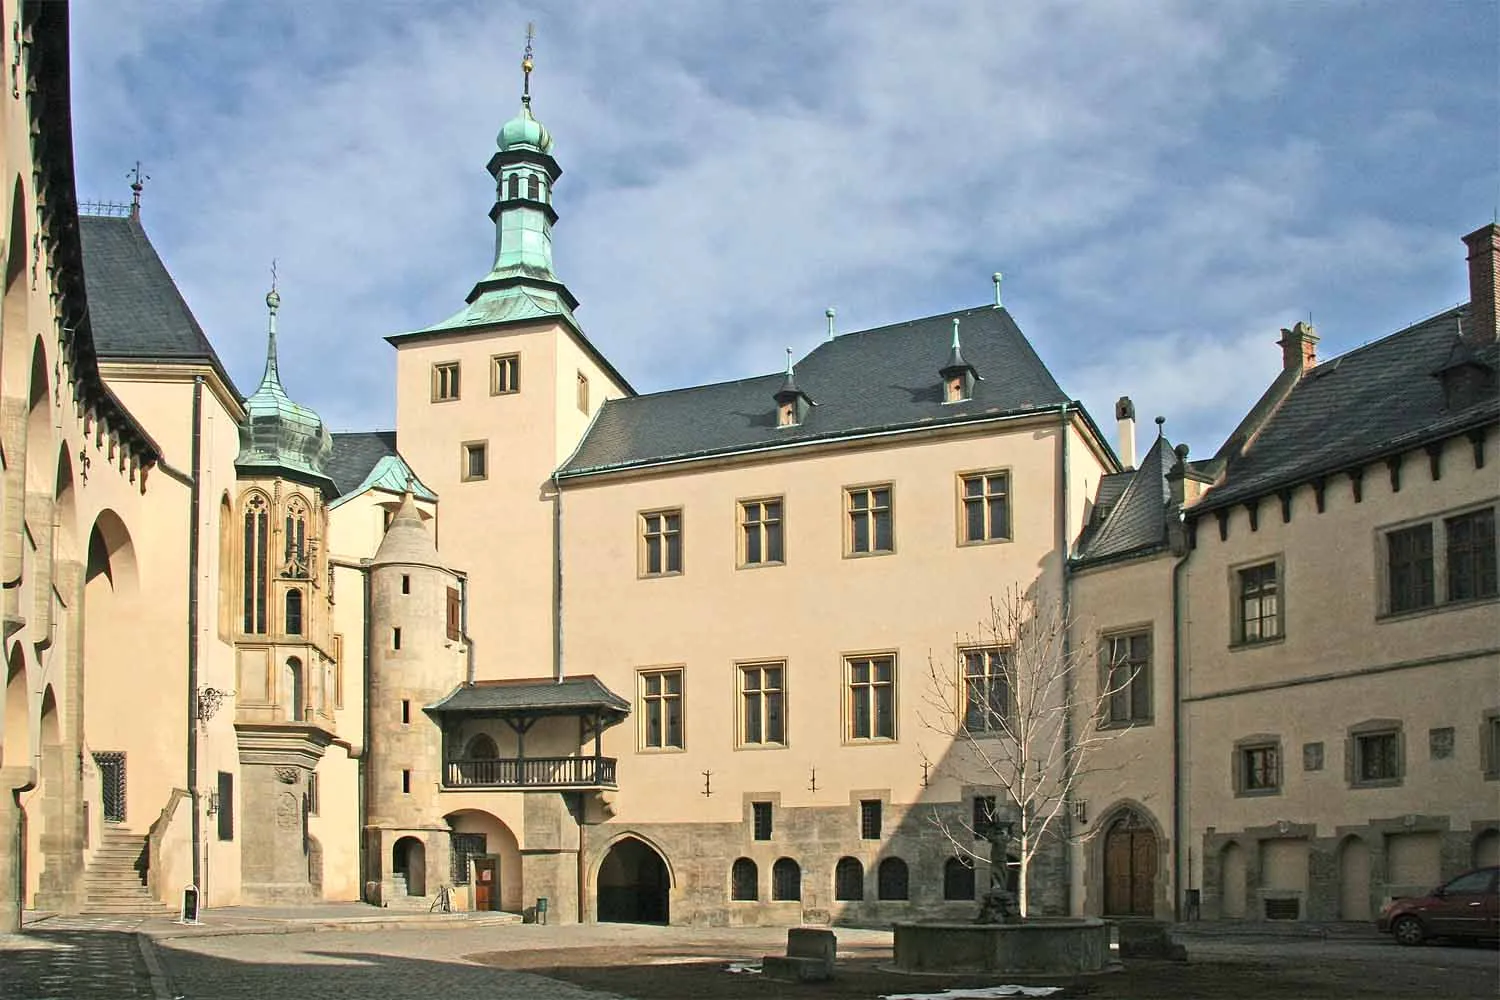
{"x": 999, "y": 903}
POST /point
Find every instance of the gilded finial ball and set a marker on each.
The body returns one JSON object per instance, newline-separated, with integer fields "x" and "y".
{"x": 526, "y": 64}
{"x": 273, "y": 300}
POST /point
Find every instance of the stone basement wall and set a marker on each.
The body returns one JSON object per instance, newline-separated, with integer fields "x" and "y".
{"x": 1321, "y": 901}
{"x": 700, "y": 856}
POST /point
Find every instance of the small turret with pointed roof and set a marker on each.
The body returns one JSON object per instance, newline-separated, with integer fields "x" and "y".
{"x": 407, "y": 541}
{"x": 792, "y": 404}
{"x": 280, "y": 437}
{"x": 957, "y": 374}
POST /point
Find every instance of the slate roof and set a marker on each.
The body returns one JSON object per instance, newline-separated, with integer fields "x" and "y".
{"x": 1135, "y": 519}
{"x": 1373, "y": 401}
{"x": 880, "y": 379}
{"x": 137, "y": 311}
{"x": 585, "y": 693}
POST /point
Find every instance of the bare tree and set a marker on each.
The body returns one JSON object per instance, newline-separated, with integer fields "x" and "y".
{"x": 1025, "y": 713}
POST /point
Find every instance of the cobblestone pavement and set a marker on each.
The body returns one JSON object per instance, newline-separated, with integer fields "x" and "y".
{"x": 77, "y": 958}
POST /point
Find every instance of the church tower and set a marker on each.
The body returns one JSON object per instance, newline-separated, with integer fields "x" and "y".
{"x": 416, "y": 657}
{"x": 279, "y": 618}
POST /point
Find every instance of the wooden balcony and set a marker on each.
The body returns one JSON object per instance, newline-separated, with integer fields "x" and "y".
{"x": 531, "y": 772}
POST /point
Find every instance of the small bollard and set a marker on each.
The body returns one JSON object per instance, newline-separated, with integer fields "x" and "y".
{"x": 541, "y": 910}
{"x": 190, "y": 904}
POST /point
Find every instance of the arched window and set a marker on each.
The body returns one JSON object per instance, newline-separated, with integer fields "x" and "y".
{"x": 292, "y": 691}
{"x": 786, "y": 879}
{"x": 481, "y": 747}
{"x": 744, "y": 880}
{"x": 891, "y": 879}
{"x": 297, "y": 565}
{"x": 958, "y": 879}
{"x": 294, "y": 612}
{"x": 531, "y": 188}
{"x": 226, "y": 567}
{"x": 849, "y": 880}
{"x": 257, "y": 546}
{"x": 514, "y": 188}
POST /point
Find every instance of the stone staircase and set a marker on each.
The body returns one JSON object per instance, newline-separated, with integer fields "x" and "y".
{"x": 400, "y": 900}
{"x": 116, "y": 879}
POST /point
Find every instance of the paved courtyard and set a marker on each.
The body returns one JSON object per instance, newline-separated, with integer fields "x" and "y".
{"x": 91, "y": 958}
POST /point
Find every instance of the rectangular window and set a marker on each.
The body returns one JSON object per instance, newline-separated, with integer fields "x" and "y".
{"x": 1410, "y": 570}
{"x": 396, "y": 638}
{"x": 661, "y": 709}
{"x": 869, "y": 819}
{"x": 984, "y": 816}
{"x": 455, "y": 614}
{"x": 760, "y": 815}
{"x": 1260, "y": 768}
{"x": 405, "y": 712}
{"x": 583, "y": 392}
{"x": 1377, "y": 758}
{"x": 760, "y": 532}
{"x": 476, "y": 456}
{"x": 314, "y": 800}
{"x": 464, "y": 848}
{"x": 871, "y": 528}
{"x": 1489, "y": 745}
{"x": 1259, "y": 603}
{"x": 872, "y": 697}
{"x": 226, "y": 805}
{"x": 405, "y": 782}
{"x": 762, "y": 704}
{"x": 661, "y": 542}
{"x": 986, "y": 690}
{"x": 405, "y": 583}
{"x": 986, "y": 507}
{"x": 505, "y": 374}
{"x": 444, "y": 381}
{"x": 1127, "y": 678}
{"x": 1471, "y": 555}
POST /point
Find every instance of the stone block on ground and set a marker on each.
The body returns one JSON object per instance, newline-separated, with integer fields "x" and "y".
{"x": 788, "y": 969}
{"x": 1149, "y": 939}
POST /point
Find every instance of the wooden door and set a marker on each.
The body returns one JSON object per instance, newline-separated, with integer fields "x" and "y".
{"x": 486, "y": 884}
{"x": 1129, "y": 869}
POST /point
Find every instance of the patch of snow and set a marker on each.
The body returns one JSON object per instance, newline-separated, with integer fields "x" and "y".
{"x": 751, "y": 967}
{"x": 979, "y": 993}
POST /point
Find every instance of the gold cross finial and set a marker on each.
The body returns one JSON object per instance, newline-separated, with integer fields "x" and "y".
{"x": 527, "y": 63}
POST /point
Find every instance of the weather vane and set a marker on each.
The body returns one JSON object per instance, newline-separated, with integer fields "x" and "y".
{"x": 527, "y": 63}
{"x": 137, "y": 185}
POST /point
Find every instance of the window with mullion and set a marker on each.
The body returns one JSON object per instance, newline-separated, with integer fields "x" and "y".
{"x": 661, "y": 536}
{"x": 1128, "y": 678}
{"x": 872, "y": 698}
{"x": 763, "y": 722}
{"x": 871, "y": 529}
{"x": 761, "y": 532}
{"x": 1261, "y": 769}
{"x": 1260, "y": 608}
{"x": 661, "y": 702}
{"x": 986, "y": 500}
{"x": 1409, "y": 563}
{"x": 1377, "y": 757}
{"x": 986, "y": 690}
{"x": 1471, "y": 555}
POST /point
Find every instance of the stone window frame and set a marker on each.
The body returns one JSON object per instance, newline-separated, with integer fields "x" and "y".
{"x": 1145, "y": 676}
{"x": 871, "y": 819}
{"x": 1354, "y": 743}
{"x": 849, "y": 880}
{"x": 644, "y": 697}
{"x": 583, "y": 393}
{"x": 871, "y": 687}
{"x": 468, "y": 450}
{"x": 786, "y": 880}
{"x": 763, "y": 696}
{"x": 656, "y": 524}
{"x": 762, "y": 809}
{"x": 505, "y": 374}
{"x": 447, "y": 381}
{"x": 893, "y": 880}
{"x": 1238, "y": 598}
{"x": 870, "y": 515}
{"x": 744, "y": 881}
{"x": 991, "y": 655}
{"x": 989, "y": 536}
{"x": 1489, "y": 744}
{"x": 1244, "y": 748}
{"x": 754, "y": 518}
{"x": 1438, "y": 526}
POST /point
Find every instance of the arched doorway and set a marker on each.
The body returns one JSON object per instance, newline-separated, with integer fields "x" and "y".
{"x": 409, "y": 861}
{"x": 1232, "y": 876}
{"x": 1130, "y": 856}
{"x": 1354, "y": 879}
{"x": 486, "y": 857}
{"x": 633, "y": 885}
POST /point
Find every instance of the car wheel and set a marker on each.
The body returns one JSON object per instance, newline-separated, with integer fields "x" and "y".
{"x": 1408, "y": 931}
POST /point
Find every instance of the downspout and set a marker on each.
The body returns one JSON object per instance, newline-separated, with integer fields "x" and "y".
{"x": 194, "y": 505}
{"x": 1179, "y": 834}
{"x": 361, "y": 758}
{"x": 557, "y": 580}
{"x": 1066, "y": 609}
{"x": 463, "y": 626}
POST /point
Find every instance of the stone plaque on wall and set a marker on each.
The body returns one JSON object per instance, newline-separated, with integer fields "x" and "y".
{"x": 254, "y": 675}
{"x": 1312, "y": 756}
{"x": 1440, "y": 742}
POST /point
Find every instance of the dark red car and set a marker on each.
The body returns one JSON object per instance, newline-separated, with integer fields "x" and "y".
{"x": 1467, "y": 906}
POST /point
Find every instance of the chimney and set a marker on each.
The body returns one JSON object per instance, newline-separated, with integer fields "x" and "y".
{"x": 1299, "y": 347}
{"x": 1484, "y": 285}
{"x": 1125, "y": 414}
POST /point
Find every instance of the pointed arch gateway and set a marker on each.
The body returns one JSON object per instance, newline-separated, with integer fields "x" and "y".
{"x": 1131, "y": 851}
{"x": 633, "y": 884}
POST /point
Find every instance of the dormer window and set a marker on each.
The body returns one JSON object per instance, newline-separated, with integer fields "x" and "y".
{"x": 958, "y": 375}
{"x": 792, "y": 404}
{"x": 956, "y": 390}
{"x": 786, "y": 414}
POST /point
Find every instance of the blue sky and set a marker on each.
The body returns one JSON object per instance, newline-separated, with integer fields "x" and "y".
{"x": 1164, "y": 184}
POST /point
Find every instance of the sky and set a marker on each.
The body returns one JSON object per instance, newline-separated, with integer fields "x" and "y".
{"x": 1164, "y": 184}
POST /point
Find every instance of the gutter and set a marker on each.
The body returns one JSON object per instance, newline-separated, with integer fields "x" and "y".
{"x": 1064, "y": 597}
{"x": 362, "y": 752}
{"x": 557, "y": 581}
{"x": 1179, "y": 833}
{"x": 194, "y": 507}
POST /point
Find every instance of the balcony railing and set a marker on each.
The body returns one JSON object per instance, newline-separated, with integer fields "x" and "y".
{"x": 530, "y": 772}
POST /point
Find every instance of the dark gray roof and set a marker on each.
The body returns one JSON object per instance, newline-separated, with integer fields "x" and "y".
{"x": 880, "y": 379}
{"x": 1136, "y": 520}
{"x": 570, "y": 696}
{"x": 355, "y": 454}
{"x": 1374, "y": 401}
{"x": 138, "y": 314}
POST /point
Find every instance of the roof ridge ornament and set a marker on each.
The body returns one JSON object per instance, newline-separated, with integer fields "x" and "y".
{"x": 273, "y": 303}
{"x": 137, "y": 185}
{"x": 527, "y": 63}
{"x": 996, "y": 279}
{"x": 830, "y": 312}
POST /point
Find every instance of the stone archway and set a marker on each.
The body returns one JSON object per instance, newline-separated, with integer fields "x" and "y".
{"x": 1232, "y": 873}
{"x": 1354, "y": 879}
{"x": 409, "y": 860}
{"x": 494, "y": 877}
{"x": 1486, "y": 848}
{"x": 633, "y": 885}
{"x": 1131, "y": 852}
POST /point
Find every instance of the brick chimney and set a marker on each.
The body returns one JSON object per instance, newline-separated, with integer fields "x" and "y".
{"x": 1484, "y": 285}
{"x": 1299, "y": 347}
{"x": 1125, "y": 414}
